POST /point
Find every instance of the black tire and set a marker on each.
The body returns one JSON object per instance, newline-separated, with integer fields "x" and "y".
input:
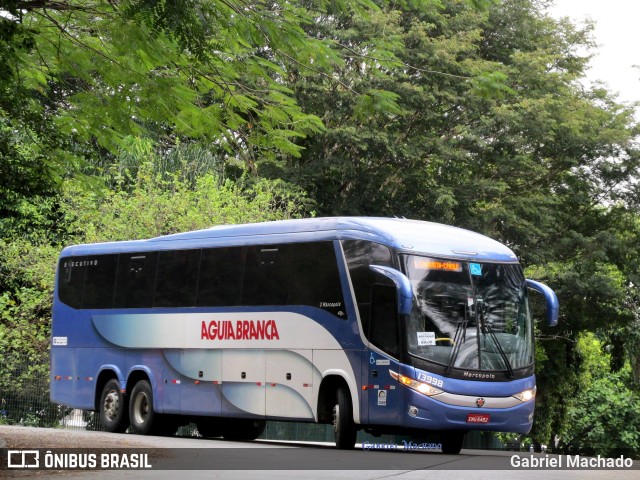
{"x": 114, "y": 413}
{"x": 343, "y": 427}
{"x": 451, "y": 442}
{"x": 209, "y": 427}
{"x": 242, "y": 429}
{"x": 141, "y": 414}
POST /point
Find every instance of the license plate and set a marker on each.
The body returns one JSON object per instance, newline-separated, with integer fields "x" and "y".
{"x": 477, "y": 418}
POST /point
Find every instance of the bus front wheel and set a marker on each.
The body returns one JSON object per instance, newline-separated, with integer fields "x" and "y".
{"x": 141, "y": 412}
{"x": 343, "y": 427}
{"x": 113, "y": 408}
{"x": 451, "y": 442}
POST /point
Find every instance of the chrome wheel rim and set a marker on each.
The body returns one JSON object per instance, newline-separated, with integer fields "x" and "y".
{"x": 141, "y": 408}
{"x": 111, "y": 405}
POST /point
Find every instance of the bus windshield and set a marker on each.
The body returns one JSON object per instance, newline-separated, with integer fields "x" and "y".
{"x": 471, "y": 316}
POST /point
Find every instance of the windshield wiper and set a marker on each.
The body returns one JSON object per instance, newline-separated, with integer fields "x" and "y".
{"x": 486, "y": 328}
{"x": 458, "y": 339}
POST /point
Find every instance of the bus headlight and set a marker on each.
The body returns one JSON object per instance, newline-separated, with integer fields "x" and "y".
{"x": 423, "y": 388}
{"x": 526, "y": 395}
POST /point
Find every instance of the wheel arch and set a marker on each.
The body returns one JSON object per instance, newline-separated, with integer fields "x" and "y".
{"x": 329, "y": 386}
{"x": 106, "y": 373}
{"x": 141, "y": 372}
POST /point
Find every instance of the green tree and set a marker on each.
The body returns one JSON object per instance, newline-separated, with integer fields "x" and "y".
{"x": 206, "y": 69}
{"x": 389, "y": 118}
{"x": 604, "y": 416}
{"x": 80, "y": 78}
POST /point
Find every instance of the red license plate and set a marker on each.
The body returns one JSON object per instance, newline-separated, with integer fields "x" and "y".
{"x": 477, "y": 418}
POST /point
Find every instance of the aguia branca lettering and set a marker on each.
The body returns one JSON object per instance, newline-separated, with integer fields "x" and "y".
{"x": 240, "y": 330}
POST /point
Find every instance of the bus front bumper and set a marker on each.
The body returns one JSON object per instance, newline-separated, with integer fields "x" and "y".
{"x": 465, "y": 412}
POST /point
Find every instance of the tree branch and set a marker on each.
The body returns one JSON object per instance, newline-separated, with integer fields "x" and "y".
{"x": 31, "y": 5}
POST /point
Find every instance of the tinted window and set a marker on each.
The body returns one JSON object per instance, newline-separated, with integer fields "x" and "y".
{"x": 289, "y": 274}
{"x": 100, "y": 282}
{"x": 177, "y": 278}
{"x": 136, "y": 280}
{"x": 383, "y": 324}
{"x": 221, "y": 273}
{"x": 265, "y": 276}
{"x": 71, "y": 272}
{"x": 360, "y": 254}
{"x": 314, "y": 278}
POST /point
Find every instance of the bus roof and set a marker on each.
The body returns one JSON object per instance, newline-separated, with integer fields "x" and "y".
{"x": 406, "y": 235}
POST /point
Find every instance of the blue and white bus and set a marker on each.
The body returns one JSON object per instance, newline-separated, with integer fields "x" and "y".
{"x": 375, "y": 324}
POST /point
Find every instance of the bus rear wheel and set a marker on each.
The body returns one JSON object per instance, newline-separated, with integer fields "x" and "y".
{"x": 113, "y": 408}
{"x": 343, "y": 427}
{"x": 141, "y": 412}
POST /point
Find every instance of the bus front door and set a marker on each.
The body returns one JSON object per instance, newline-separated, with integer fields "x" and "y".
{"x": 381, "y": 390}
{"x": 381, "y": 393}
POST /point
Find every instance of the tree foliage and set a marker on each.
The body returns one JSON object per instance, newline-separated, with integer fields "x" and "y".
{"x": 207, "y": 70}
{"x": 604, "y": 416}
{"x": 81, "y": 77}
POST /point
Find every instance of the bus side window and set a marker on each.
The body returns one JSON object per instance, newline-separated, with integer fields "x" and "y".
{"x": 221, "y": 273}
{"x": 71, "y": 274}
{"x": 359, "y": 255}
{"x": 314, "y": 279}
{"x": 383, "y": 323}
{"x": 135, "y": 280}
{"x": 177, "y": 278}
{"x": 265, "y": 277}
{"x": 100, "y": 282}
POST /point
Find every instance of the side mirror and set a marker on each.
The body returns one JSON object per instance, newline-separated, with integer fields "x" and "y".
{"x": 403, "y": 287}
{"x": 553, "y": 306}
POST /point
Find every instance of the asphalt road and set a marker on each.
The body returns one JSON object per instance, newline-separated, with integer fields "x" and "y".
{"x": 171, "y": 457}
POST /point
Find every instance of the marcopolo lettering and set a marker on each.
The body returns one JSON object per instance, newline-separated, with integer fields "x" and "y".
{"x": 239, "y": 330}
{"x": 478, "y": 375}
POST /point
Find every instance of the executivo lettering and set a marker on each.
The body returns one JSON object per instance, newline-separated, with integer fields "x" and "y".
{"x": 239, "y": 330}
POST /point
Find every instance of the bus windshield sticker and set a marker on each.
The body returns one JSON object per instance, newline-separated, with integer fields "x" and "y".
{"x": 426, "y": 338}
{"x": 476, "y": 269}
